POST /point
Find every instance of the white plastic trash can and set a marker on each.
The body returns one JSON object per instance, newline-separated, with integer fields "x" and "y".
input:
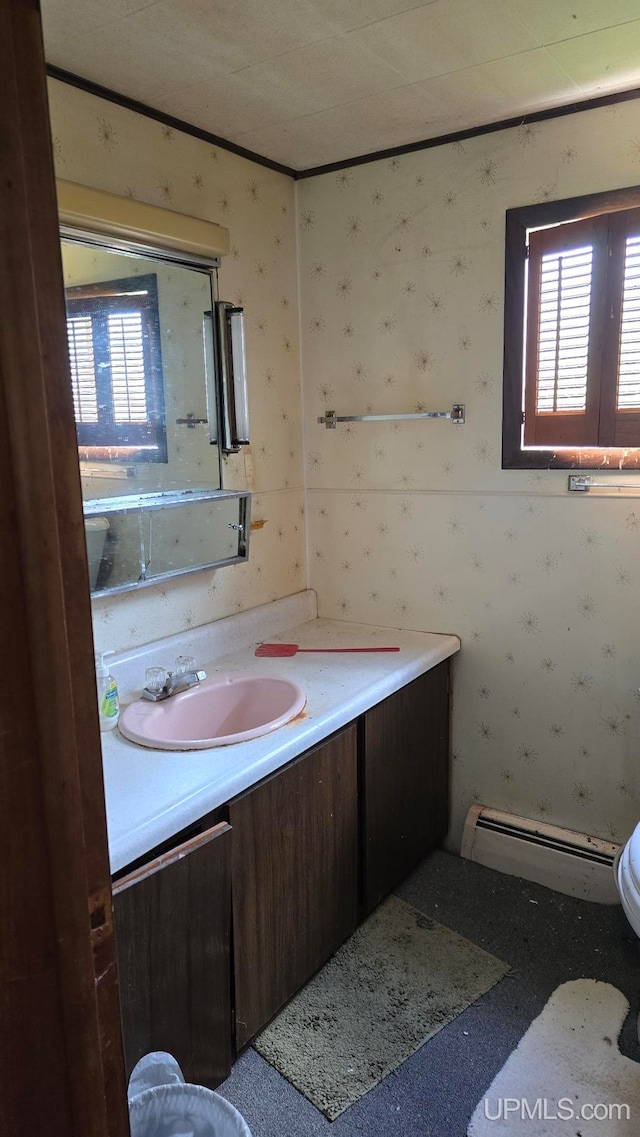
{"x": 162, "y": 1104}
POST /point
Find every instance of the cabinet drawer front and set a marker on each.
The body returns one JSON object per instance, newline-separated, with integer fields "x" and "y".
{"x": 172, "y": 920}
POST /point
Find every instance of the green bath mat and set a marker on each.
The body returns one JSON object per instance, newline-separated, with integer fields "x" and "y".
{"x": 392, "y": 986}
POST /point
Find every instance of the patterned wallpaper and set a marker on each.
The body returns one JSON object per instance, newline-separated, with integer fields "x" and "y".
{"x": 99, "y": 144}
{"x": 415, "y": 525}
{"x": 410, "y": 525}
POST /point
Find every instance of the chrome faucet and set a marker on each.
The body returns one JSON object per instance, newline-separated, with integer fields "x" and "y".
{"x": 162, "y": 684}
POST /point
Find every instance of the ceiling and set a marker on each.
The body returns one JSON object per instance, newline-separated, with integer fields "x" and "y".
{"x": 310, "y": 82}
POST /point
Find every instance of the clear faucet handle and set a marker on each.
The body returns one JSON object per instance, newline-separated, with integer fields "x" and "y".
{"x": 183, "y": 664}
{"x": 155, "y": 679}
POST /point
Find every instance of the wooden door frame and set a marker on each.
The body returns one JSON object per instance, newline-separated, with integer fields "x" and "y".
{"x": 60, "y": 1039}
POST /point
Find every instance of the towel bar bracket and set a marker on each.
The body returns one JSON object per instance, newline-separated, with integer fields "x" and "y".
{"x": 582, "y": 483}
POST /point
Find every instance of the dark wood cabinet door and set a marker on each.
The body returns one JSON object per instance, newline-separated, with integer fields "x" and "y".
{"x": 173, "y": 923}
{"x": 294, "y": 877}
{"x": 405, "y": 781}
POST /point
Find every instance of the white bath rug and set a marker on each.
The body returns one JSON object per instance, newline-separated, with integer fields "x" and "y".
{"x": 567, "y": 1076}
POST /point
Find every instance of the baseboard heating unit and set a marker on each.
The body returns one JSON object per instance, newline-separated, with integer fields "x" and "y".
{"x": 569, "y": 862}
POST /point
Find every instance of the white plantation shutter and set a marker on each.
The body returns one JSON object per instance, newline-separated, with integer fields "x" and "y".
{"x": 566, "y": 286}
{"x": 563, "y": 330}
{"x": 628, "y": 386}
{"x": 128, "y": 376}
{"x": 83, "y": 373}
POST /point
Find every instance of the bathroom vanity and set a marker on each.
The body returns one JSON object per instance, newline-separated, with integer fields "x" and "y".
{"x": 219, "y": 924}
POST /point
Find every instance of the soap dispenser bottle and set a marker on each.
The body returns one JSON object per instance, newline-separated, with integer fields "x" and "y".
{"x": 108, "y": 705}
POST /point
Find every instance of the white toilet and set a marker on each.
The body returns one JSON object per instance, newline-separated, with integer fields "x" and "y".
{"x": 95, "y": 531}
{"x": 627, "y": 874}
{"x": 626, "y": 870}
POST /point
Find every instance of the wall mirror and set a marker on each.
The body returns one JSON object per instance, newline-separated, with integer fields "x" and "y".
{"x": 157, "y": 374}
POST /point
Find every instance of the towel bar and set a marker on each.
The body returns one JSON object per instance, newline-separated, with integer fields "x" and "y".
{"x": 456, "y": 414}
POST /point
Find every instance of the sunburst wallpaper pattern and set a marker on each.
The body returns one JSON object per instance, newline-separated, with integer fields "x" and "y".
{"x": 415, "y": 525}
{"x": 99, "y": 144}
{"x": 411, "y": 525}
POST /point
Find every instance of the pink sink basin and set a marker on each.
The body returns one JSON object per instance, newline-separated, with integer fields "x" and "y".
{"x": 219, "y": 711}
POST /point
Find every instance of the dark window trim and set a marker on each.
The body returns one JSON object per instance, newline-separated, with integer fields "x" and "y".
{"x": 518, "y": 221}
{"x": 100, "y": 438}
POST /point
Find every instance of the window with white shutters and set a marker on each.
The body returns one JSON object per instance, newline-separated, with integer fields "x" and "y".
{"x": 628, "y": 390}
{"x": 116, "y": 368}
{"x": 572, "y": 334}
{"x": 83, "y": 369}
{"x": 563, "y": 331}
{"x": 128, "y": 373}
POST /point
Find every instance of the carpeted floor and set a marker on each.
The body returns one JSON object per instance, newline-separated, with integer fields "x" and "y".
{"x": 545, "y": 937}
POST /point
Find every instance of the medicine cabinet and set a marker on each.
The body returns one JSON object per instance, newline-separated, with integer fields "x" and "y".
{"x": 158, "y": 376}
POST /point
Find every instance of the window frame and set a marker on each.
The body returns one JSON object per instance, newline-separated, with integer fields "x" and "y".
{"x": 110, "y": 440}
{"x": 518, "y": 222}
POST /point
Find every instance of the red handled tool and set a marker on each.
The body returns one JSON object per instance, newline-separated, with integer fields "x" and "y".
{"x": 281, "y": 650}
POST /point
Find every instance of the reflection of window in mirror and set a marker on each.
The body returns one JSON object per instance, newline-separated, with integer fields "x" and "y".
{"x": 116, "y": 369}
{"x": 145, "y": 418}
{"x": 572, "y": 334}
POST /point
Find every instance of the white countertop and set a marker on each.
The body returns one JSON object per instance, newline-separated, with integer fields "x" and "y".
{"x": 153, "y": 794}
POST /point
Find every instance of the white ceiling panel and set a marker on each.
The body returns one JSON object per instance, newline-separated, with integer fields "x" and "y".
{"x": 137, "y": 56}
{"x": 307, "y": 82}
{"x": 492, "y": 90}
{"x": 349, "y": 14}
{"x": 446, "y": 36}
{"x": 316, "y": 77}
{"x": 227, "y": 101}
{"x": 239, "y": 33}
{"x": 299, "y": 143}
{"x": 64, "y": 21}
{"x": 553, "y": 20}
{"x": 606, "y": 60}
{"x": 384, "y": 120}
